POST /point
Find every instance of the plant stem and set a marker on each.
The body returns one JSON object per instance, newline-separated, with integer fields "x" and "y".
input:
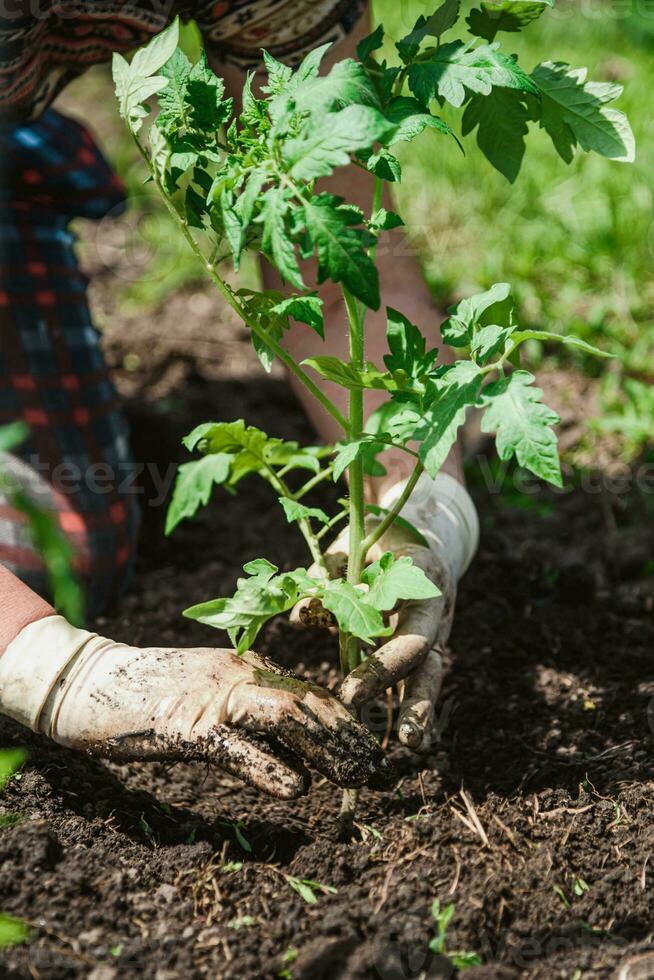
{"x": 383, "y": 527}
{"x": 356, "y": 554}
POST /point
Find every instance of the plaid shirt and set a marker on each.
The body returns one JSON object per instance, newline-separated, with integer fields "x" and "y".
{"x": 52, "y": 371}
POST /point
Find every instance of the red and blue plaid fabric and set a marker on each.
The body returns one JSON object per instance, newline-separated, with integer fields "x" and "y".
{"x": 52, "y": 371}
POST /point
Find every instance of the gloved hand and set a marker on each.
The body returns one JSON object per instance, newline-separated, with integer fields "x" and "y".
{"x": 126, "y": 703}
{"x": 443, "y": 512}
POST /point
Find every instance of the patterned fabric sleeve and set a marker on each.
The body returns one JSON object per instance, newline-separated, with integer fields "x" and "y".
{"x": 46, "y": 44}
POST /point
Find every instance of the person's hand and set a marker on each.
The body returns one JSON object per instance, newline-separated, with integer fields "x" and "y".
{"x": 444, "y": 514}
{"x": 241, "y": 712}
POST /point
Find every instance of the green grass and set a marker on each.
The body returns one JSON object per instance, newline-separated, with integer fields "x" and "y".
{"x": 577, "y": 242}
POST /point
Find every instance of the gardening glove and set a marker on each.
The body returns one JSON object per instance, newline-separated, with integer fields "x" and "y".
{"x": 444, "y": 514}
{"x": 126, "y": 703}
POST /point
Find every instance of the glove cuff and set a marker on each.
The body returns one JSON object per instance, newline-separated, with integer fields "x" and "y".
{"x": 35, "y": 667}
{"x": 443, "y": 511}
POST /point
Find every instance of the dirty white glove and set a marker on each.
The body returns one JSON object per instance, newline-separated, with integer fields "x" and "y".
{"x": 243, "y": 713}
{"x": 443, "y": 511}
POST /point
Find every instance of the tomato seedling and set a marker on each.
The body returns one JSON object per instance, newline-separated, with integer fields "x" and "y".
{"x": 248, "y": 181}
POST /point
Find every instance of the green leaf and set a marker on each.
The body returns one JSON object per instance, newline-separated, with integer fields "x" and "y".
{"x": 194, "y": 484}
{"x": 574, "y": 112}
{"x": 305, "y": 309}
{"x": 279, "y": 75}
{"x": 489, "y": 341}
{"x": 411, "y": 118}
{"x": 12, "y": 435}
{"x": 457, "y": 390}
{"x": 11, "y": 760}
{"x": 353, "y": 612}
{"x": 507, "y": 15}
{"x": 275, "y": 241}
{"x": 392, "y": 579}
{"x": 13, "y": 931}
{"x": 520, "y": 336}
{"x": 347, "y": 83}
{"x": 207, "y": 108}
{"x": 340, "y": 248}
{"x": 370, "y": 43}
{"x": 384, "y": 220}
{"x": 295, "y": 511}
{"x": 408, "y": 347}
{"x": 319, "y": 149}
{"x": 334, "y": 369}
{"x": 259, "y": 597}
{"x": 440, "y": 21}
{"x": 493, "y": 305}
{"x": 501, "y": 118}
{"x": 153, "y": 56}
{"x": 384, "y": 165}
{"x": 456, "y": 69}
{"x": 172, "y": 104}
{"x": 365, "y": 448}
{"x": 522, "y": 425}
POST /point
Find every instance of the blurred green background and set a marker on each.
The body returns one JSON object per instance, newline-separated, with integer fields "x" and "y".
{"x": 576, "y": 242}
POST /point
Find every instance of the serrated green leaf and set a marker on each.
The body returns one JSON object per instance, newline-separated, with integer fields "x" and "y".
{"x": 437, "y": 432}
{"x": 440, "y": 21}
{"x": 408, "y": 347}
{"x": 172, "y": 104}
{"x": 456, "y": 69}
{"x": 194, "y": 485}
{"x": 259, "y": 597}
{"x": 334, "y": 369}
{"x": 506, "y": 15}
{"x": 340, "y": 248}
{"x": 279, "y": 74}
{"x": 489, "y": 341}
{"x": 501, "y": 118}
{"x": 384, "y": 220}
{"x": 353, "y": 612}
{"x": 493, "y": 305}
{"x": 207, "y": 108}
{"x": 346, "y": 84}
{"x": 364, "y": 448}
{"x": 275, "y": 240}
{"x": 411, "y": 118}
{"x": 522, "y": 425}
{"x": 295, "y": 511}
{"x": 370, "y": 43}
{"x": 305, "y": 309}
{"x": 384, "y": 165}
{"x": 393, "y": 579}
{"x": 575, "y": 111}
{"x": 328, "y": 143}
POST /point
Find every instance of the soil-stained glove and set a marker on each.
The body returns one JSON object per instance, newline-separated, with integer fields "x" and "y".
{"x": 127, "y": 703}
{"x": 443, "y": 512}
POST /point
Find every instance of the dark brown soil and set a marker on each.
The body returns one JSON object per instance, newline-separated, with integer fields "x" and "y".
{"x": 532, "y": 816}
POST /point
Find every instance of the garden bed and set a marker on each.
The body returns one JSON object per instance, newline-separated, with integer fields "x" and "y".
{"x": 532, "y": 815}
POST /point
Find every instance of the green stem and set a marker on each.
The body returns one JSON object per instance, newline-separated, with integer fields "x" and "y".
{"x": 356, "y": 554}
{"x": 383, "y": 527}
{"x": 313, "y": 482}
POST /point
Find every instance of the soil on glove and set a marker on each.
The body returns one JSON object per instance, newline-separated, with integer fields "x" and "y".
{"x": 532, "y": 815}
